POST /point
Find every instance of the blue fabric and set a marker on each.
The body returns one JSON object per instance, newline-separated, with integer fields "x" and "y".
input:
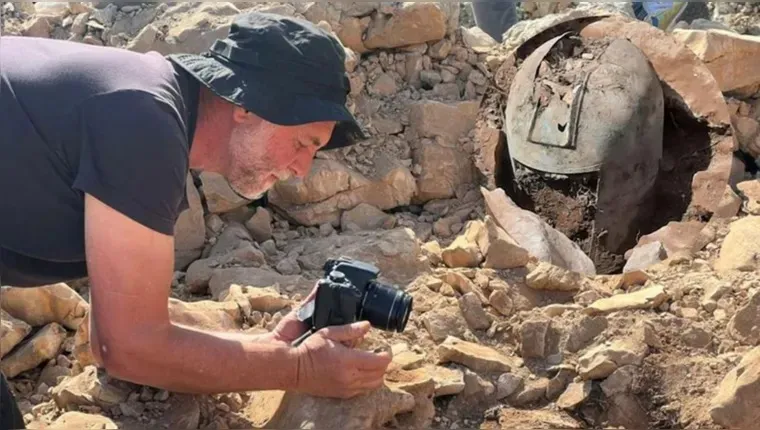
{"x": 495, "y": 17}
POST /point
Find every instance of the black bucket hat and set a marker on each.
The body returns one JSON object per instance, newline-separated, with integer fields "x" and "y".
{"x": 285, "y": 70}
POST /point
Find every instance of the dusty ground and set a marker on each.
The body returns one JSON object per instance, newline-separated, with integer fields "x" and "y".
{"x": 497, "y": 339}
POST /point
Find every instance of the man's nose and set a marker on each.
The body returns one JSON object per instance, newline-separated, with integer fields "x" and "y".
{"x": 302, "y": 164}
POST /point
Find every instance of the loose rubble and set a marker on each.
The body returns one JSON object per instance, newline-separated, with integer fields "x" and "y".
{"x": 513, "y": 324}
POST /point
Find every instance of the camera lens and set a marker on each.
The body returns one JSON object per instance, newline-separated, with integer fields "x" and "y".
{"x": 385, "y": 307}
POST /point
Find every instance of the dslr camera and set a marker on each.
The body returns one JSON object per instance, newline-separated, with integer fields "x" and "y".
{"x": 350, "y": 292}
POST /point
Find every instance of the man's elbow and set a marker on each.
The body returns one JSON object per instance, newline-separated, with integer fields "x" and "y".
{"x": 123, "y": 357}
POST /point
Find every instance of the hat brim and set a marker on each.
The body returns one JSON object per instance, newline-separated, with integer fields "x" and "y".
{"x": 266, "y": 96}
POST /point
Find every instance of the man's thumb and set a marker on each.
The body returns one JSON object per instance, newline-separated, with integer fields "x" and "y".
{"x": 345, "y": 333}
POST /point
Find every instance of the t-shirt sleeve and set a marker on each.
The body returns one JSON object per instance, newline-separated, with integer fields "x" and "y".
{"x": 134, "y": 157}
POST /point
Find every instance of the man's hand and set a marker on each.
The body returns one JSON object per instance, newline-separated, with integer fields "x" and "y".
{"x": 289, "y": 328}
{"x": 327, "y": 368}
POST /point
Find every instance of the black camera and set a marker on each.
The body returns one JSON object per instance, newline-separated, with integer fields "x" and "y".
{"x": 349, "y": 292}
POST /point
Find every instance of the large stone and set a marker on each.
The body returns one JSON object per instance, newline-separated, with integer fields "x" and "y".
{"x": 515, "y": 418}
{"x": 732, "y": 58}
{"x": 476, "y": 357}
{"x": 536, "y": 236}
{"x": 477, "y": 39}
{"x": 190, "y": 229}
{"x": 223, "y": 279}
{"x": 41, "y": 347}
{"x": 444, "y": 322}
{"x": 473, "y": 312}
{"x": 599, "y": 362}
{"x": 332, "y": 187}
{"x": 81, "y": 420}
{"x": 750, "y": 190}
{"x": 676, "y": 237}
{"x": 12, "y": 331}
{"x": 88, "y": 389}
{"x": 220, "y": 198}
{"x": 396, "y": 253}
{"x": 464, "y": 250}
{"x": 433, "y": 119}
{"x": 200, "y": 272}
{"x": 736, "y": 403}
{"x": 365, "y": 217}
{"x": 277, "y": 409}
{"x": 207, "y": 314}
{"x": 645, "y": 256}
{"x": 546, "y": 276}
{"x": 744, "y": 326}
{"x": 40, "y": 306}
{"x": 533, "y": 337}
{"x": 741, "y": 248}
{"x": 646, "y": 298}
{"x": 500, "y": 250}
{"x": 260, "y": 225}
{"x": 409, "y": 24}
{"x": 748, "y": 134}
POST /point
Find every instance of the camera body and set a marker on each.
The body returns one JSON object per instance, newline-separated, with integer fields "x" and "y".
{"x": 350, "y": 292}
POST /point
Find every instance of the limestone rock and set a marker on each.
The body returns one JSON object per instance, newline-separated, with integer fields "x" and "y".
{"x": 500, "y": 250}
{"x": 405, "y": 358}
{"x": 500, "y": 301}
{"x": 507, "y": 384}
{"x": 179, "y": 411}
{"x": 332, "y": 187}
{"x": 464, "y": 251}
{"x": 741, "y": 248}
{"x": 731, "y": 58}
{"x": 735, "y": 404}
{"x": 190, "y": 228}
{"x": 447, "y": 381}
{"x": 223, "y": 279}
{"x": 744, "y": 326}
{"x": 477, "y": 39}
{"x": 444, "y": 322}
{"x": 365, "y": 217}
{"x": 207, "y": 314}
{"x": 645, "y": 256}
{"x": 41, "y": 347}
{"x": 646, "y": 298}
{"x": 534, "y": 235}
{"x": 600, "y": 361}
{"x": 476, "y": 357}
{"x": 729, "y": 204}
{"x": 582, "y": 332}
{"x": 676, "y": 237}
{"x": 533, "y": 338}
{"x": 410, "y": 23}
{"x": 12, "y": 331}
{"x": 260, "y": 225}
{"x": 397, "y": 252}
{"x": 81, "y": 420}
{"x": 463, "y": 284}
{"x": 747, "y": 134}
{"x": 472, "y": 310}
{"x": 88, "y": 389}
{"x": 546, "y": 276}
{"x": 44, "y": 305}
{"x": 275, "y": 409}
{"x": 200, "y": 272}
{"x": 234, "y": 235}
{"x": 575, "y": 394}
{"x": 751, "y": 192}
{"x": 220, "y": 198}
{"x": 514, "y": 418}
{"x": 620, "y": 381}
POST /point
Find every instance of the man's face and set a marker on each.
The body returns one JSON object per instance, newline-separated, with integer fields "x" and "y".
{"x": 263, "y": 153}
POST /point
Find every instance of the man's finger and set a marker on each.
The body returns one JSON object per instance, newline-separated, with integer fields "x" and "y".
{"x": 371, "y": 361}
{"x": 347, "y": 333}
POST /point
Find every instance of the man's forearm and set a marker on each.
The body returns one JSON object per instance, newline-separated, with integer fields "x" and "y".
{"x": 183, "y": 359}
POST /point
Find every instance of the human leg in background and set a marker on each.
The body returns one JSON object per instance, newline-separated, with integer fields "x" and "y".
{"x": 10, "y": 415}
{"x": 495, "y": 17}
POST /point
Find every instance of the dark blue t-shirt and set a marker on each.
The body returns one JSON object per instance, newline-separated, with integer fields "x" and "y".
{"x": 76, "y": 119}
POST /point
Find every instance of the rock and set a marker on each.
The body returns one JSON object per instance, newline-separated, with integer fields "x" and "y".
{"x": 421, "y": 385}
{"x": 200, "y": 272}
{"x": 260, "y": 225}
{"x": 397, "y": 252}
{"x": 731, "y": 58}
{"x": 500, "y": 301}
{"x": 565, "y": 374}
{"x": 575, "y": 394}
{"x": 58, "y": 8}
{"x": 405, "y": 358}
{"x": 735, "y": 404}
{"x": 744, "y": 326}
{"x": 50, "y": 374}
{"x": 750, "y": 190}
{"x": 448, "y": 382}
{"x": 12, "y": 331}
{"x": 741, "y": 248}
{"x": 747, "y": 134}
{"x": 676, "y": 237}
{"x": 81, "y": 420}
{"x": 729, "y": 204}
{"x": 234, "y": 236}
{"x": 619, "y": 382}
{"x": 409, "y": 24}
{"x": 433, "y": 252}
{"x": 41, "y": 347}
{"x": 481, "y": 359}
{"x": 477, "y": 40}
{"x": 533, "y": 338}
{"x": 223, "y": 279}
{"x": 39, "y": 26}
{"x": 545, "y": 276}
{"x": 365, "y": 217}
{"x": 444, "y": 322}
{"x": 258, "y": 299}
{"x": 500, "y": 250}
{"x": 645, "y": 256}
{"x": 534, "y": 235}
{"x": 350, "y": 33}
{"x": 532, "y": 392}
{"x": 220, "y": 198}
{"x": 288, "y": 266}
{"x": 40, "y": 306}
{"x": 649, "y": 297}
{"x": 600, "y": 361}
{"x": 463, "y": 284}
{"x": 276, "y": 409}
{"x": 472, "y": 310}
{"x": 445, "y": 166}
{"x": 88, "y": 389}
{"x": 180, "y": 411}
{"x": 332, "y": 187}
{"x": 193, "y": 27}
{"x": 207, "y": 314}
{"x": 696, "y": 337}
{"x": 464, "y": 251}
{"x": 514, "y": 418}
{"x": 507, "y": 384}
{"x": 584, "y": 331}
{"x": 383, "y": 86}
{"x": 190, "y": 229}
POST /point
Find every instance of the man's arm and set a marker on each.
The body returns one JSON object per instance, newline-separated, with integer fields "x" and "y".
{"x": 130, "y": 268}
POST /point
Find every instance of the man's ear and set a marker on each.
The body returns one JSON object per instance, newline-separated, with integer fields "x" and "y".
{"x": 242, "y": 116}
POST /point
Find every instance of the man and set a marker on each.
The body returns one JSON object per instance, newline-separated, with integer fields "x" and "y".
{"x": 495, "y": 17}
{"x": 95, "y": 147}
